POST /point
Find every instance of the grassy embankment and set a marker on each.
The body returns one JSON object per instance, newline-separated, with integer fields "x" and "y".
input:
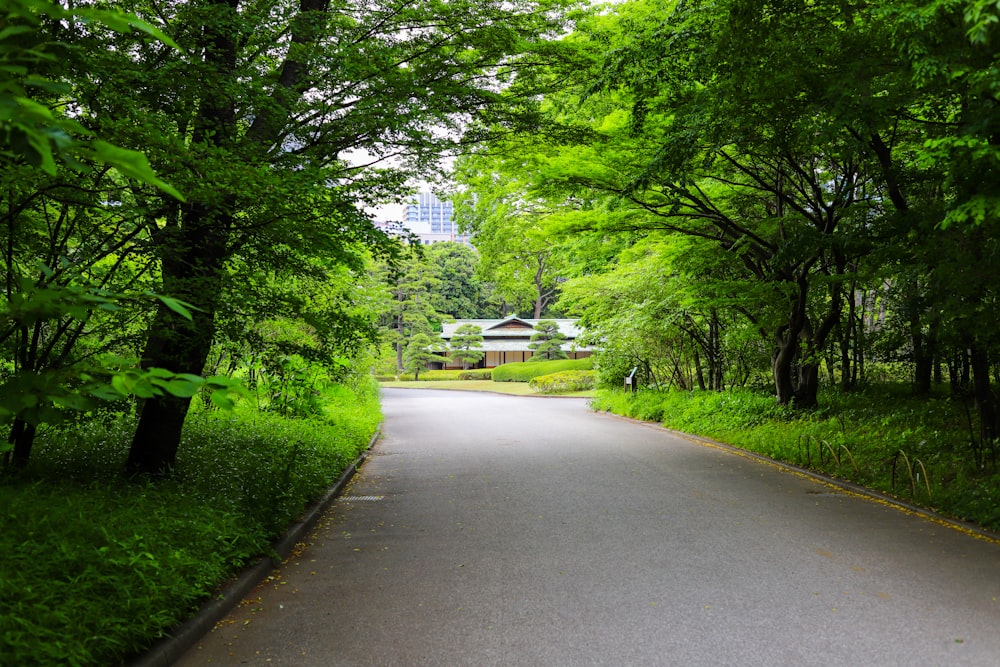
{"x": 96, "y": 568}
{"x": 918, "y": 450}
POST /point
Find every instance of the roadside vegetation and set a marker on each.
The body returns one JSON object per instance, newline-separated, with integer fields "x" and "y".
{"x": 918, "y": 449}
{"x": 96, "y": 566}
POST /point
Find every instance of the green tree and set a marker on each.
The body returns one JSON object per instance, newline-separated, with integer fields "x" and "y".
{"x": 412, "y": 285}
{"x": 465, "y": 344}
{"x": 462, "y": 294}
{"x": 253, "y": 118}
{"x": 420, "y": 352}
{"x": 523, "y": 263}
{"x": 547, "y": 341}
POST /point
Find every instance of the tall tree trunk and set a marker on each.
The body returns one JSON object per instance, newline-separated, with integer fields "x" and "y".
{"x": 22, "y": 437}
{"x": 781, "y": 366}
{"x": 985, "y": 401}
{"x": 192, "y": 271}
{"x": 787, "y": 340}
{"x": 807, "y": 393}
{"x": 697, "y": 367}
{"x": 848, "y": 374}
{"x": 923, "y": 349}
{"x": 715, "y": 368}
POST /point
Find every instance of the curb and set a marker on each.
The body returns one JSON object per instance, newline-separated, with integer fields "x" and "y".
{"x": 169, "y": 649}
{"x": 844, "y": 486}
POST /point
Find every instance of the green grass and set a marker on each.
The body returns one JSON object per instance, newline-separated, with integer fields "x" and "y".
{"x": 96, "y": 568}
{"x": 884, "y": 439}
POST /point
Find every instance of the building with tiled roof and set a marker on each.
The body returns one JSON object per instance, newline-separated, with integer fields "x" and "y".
{"x": 506, "y": 340}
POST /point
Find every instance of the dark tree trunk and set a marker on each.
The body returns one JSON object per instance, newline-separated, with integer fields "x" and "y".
{"x": 715, "y": 369}
{"x": 700, "y": 375}
{"x": 983, "y": 392}
{"x": 807, "y": 393}
{"x": 192, "y": 271}
{"x": 923, "y": 351}
{"x": 846, "y": 340}
{"x": 22, "y": 437}
{"x": 788, "y": 345}
{"x": 781, "y": 367}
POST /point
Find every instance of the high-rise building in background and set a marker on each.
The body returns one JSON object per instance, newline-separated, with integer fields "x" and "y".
{"x": 430, "y": 214}
{"x": 429, "y": 218}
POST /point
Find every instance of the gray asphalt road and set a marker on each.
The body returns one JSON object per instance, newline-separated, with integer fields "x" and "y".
{"x": 496, "y": 530}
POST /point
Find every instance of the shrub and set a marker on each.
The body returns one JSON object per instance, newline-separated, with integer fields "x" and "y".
{"x": 523, "y": 371}
{"x": 438, "y": 376}
{"x": 563, "y": 382}
{"x": 96, "y": 568}
{"x": 476, "y": 374}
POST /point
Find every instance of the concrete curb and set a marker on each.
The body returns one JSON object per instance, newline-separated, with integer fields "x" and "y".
{"x": 169, "y": 650}
{"x": 843, "y": 485}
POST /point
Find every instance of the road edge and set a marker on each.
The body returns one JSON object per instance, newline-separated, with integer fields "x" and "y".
{"x": 169, "y": 649}
{"x": 840, "y": 485}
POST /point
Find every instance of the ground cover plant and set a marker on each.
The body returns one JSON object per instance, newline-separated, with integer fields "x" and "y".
{"x": 562, "y": 382}
{"x": 917, "y": 449}
{"x": 523, "y": 371}
{"x": 97, "y": 567}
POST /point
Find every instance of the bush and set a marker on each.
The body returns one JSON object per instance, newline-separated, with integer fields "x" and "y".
{"x": 563, "y": 382}
{"x": 523, "y": 371}
{"x": 96, "y": 568}
{"x": 439, "y": 376}
{"x": 476, "y": 374}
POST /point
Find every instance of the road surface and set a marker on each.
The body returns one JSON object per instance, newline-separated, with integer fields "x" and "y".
{"x": 499, "y": 530}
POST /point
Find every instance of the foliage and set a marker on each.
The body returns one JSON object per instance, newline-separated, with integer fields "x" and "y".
{"x": 547, "y": 341}
{"x": 523, "y": 371}
{"x": 772, "y": 194}
{"x": 32, "y": 129}
{"x": 562, "y": 382}
{"x": 476, "y": 374}
{"x": 98, "y": 568}
{"x": 465, "y": 343}
{"x": 433, "y": 375}
{"x": 420, "y": 352}
{"x": 280, "y": 124}
{"x": 462, "y": 293}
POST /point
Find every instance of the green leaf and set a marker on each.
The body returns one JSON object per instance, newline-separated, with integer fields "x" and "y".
{"x": 221, "y": 400}
{"x": 124, "y": 23}
{"x": 181, "y": 389}
{"x": 132, "y": 164}
{"x": 180, "y": 307}
{"x": 121, "y": 384}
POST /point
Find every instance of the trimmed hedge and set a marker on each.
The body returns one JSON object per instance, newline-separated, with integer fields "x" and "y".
{"x": 563, "y": 382}
{"x": 476, "y": 374}
{"x": 523, "y": 371}
{"x": 441, "y": 376}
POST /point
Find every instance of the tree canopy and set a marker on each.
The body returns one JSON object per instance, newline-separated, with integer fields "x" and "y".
{"x": 747, "y": 188}
{"x": 208, "y": 154}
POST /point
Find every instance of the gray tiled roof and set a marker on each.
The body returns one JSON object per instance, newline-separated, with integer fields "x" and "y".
{"x": 514, "y": 339}
{"x": 567, "y": 327}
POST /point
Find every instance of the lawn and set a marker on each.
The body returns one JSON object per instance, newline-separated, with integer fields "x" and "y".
{"x": 514, "y": 388}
